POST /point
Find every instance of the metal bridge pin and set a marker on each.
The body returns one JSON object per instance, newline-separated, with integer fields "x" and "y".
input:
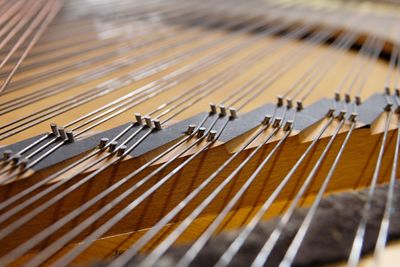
{"x": 358, "y": 100}
{"x": 211, "y": 135}
{"x": 54, "y": 129}
{"x": 70, "y": 136}
{"x": 190, "y": 129}
{"x": 112, "y": 146}
{"x": 266, "y": 120}
{"x": 388, "y": 106}
{"x": 148, "y": 122}
{"x": 289, "y": 103}
{"x": 288, "y": 125}
{"x": 7, "y": 154}
{"x": 341, "y": 114}
{"x": 138, "y": 118}
{"x": 16, "y": 158}
{"x": 299, "y": 105}
{"x": 337, "y": 96}
{"x": 233, "y": 113}
{"x": 387, "y": 90}
{"x": 277, "y": 122}
{"x": 62, "y": 133}
{"x": 103, "y": 142}
{"x": 121, "y": 150}
{"x": 279, "y": 101}
{"x": 330, "y": 112}
{"x": 347, "y": 98}
{"x": 157, "y": 124}
{"x": 23, "y": 163}
{"x": 353, "y": 117}
{"x": 222, "y": 109}
{"x": 201, "y": 131}
{"x": 213, "y": 108}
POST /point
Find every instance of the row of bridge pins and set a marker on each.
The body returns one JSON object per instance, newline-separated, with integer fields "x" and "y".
{"x": 289, "y": 103}
{"x": 112, "y": 146}
{"x": 277, "y": 122}
{"x": 200, "y": 132}
{"x": 223, "y": 111}
{"x": 341, "y": 114}
{"x": 347, "y": 98}
{"x": 151, "y": 123}
{"x": 66, "y": 135}
{"x": 390, "y": 103}
{"x": 59, "y": 132}
{"x": 16, "y": 159}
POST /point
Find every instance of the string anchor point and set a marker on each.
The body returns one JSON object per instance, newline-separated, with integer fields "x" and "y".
{"x": 213, "y": 109}
{"x": 266, "y": 120}
{"x": 190, "y": 129}
{"x": 330, "y": 112}
{"x": 103, "y": 142}
{"x": 288, "y": 125}
{"x": 200, "y": 132}
{"x": 211, "y": 135}
{"x": 277, "y": 122}
{"x": 138, "y": 118}
{"x": 353, "y": 117}
{"x": 341, "y": 114}
{"x": 233, "y": 113}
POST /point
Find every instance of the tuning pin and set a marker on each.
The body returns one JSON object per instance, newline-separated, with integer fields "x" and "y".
{"x": 353, "y": 117}
{"x": 112, "y": 146}
{"x": 279, "y": 101}
{"x": 157, "y": 124}
{"x": 222, "y": 110}
{"x": 299, "y": 105}
{"x": 233, "y": 113}
{"x": 138, "y": 118}
{"x": 103, "y": 142}
{"x": 213, "y": 108}
{"x": 337, "y": 96}
{"x": 7, "y": 154}
{"x": 341, "y": 114}
{"x": 190, "y": 129}
{"x": 148, "y": 122}
{"x": 54, "y": 129}
{"x": 277, "y": 122}
{"x": 121, "y": 150}
{"x": 330, "y": 112}
{"x": 62, "y": 133}
{"x": 201, "y": 131}
{"x": 266, "y": 120}
{"x": 211, "y": 135}
{"x": 288, "y": 125}
{"x": 70, "y": 136}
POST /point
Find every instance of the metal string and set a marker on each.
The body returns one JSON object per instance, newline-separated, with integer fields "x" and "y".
{"x": 228, "y": 255}
{"x": 267, "y": 248}
{"x": 302, "y": 231}
{"x": 355, "y": 253}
